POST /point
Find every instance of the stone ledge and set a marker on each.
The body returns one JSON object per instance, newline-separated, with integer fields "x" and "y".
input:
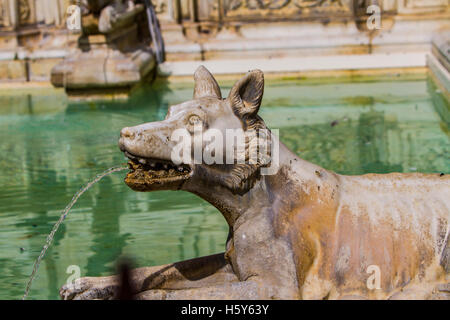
{"x": 438, "y": 62}
{"x": 265, "y": 40}
{"x": 441, "y": 48}
{"x": 301, "y": 64}
{"x": 102, "y": 69}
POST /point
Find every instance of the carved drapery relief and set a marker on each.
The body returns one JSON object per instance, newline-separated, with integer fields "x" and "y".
{"x": 14, "y": 13}
{"x": 2, "y": 14}
{"x": 25, "y": 15}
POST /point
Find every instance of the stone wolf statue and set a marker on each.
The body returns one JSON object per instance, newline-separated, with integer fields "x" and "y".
{"x": 303, "y": 232}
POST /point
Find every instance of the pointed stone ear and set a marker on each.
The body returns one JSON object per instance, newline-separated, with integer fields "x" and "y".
{"x": 205, "y": 84}
{"x": 247, "y": 93}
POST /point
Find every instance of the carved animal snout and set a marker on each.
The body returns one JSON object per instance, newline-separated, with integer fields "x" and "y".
{"x": 127, "y": 133}
{"x": 126, "y": 136}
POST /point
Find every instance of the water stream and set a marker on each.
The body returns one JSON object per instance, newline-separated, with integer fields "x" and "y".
{"x": 64, "y": 214}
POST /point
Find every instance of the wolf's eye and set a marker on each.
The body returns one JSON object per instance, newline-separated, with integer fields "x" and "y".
{"x": 194, "y": 119}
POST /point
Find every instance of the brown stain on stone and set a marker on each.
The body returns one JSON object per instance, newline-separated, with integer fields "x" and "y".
{"x": 336, "y": 242}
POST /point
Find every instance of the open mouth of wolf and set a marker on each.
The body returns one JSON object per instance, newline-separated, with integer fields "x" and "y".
{"x": 148, "y": 174}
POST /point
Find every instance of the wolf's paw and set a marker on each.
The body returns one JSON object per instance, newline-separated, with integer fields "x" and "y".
{"x": 89, "y": 288}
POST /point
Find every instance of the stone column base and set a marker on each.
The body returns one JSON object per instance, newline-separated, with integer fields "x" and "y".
{"x": 102, "y": 69}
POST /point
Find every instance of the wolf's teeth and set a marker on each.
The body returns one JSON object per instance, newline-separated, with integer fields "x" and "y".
{"x": 180, "y": 169}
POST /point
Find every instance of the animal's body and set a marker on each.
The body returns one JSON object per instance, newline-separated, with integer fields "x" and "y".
{"x": 301, "y": 233}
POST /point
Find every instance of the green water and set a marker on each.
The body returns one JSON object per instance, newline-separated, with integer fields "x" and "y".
{"x": 49, "y": 148}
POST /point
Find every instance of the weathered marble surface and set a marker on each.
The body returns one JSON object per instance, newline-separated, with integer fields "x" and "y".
{"x": 110, "y": 53}
{"x": 301, "y": 232}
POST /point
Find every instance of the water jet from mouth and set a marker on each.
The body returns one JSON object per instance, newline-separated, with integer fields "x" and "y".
{"x": 64, "y": 214}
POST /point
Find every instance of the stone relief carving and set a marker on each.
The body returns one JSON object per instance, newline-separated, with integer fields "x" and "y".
{"x": 282, "y": 9}
{"x": 278, "y": 4}
{"x": 22, "y": 12}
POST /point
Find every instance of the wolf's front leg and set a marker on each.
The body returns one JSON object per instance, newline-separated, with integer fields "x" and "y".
{"x": 198, "y": 272}
{"x": 252, "y": 289}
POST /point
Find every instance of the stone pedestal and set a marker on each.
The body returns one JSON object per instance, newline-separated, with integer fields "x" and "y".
{"x": 101, "y": 63}
{"x": 110, "y": 58}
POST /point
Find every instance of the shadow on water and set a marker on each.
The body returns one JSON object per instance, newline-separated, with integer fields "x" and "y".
{"x": 373, "y": 149}
{"x": 108, "y": 242}
{"x": 141, "y": 99}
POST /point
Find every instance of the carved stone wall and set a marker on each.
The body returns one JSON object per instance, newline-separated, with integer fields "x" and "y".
{"x": 16, "y": 13}
{"x": 35, "y": 30}
{"x": 267, "y": 10}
